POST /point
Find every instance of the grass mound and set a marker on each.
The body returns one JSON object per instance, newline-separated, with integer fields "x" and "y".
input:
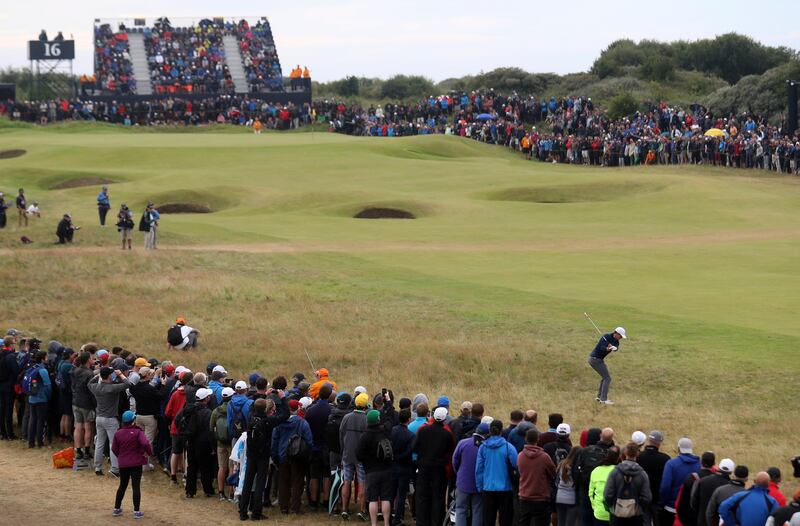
{"x": 81, "y": 181}
{"x": 184, "y": 208}
{"x": 434, "y": 148}
{"x": 384, "y": 213}
{"x": 10, "y": 154}
{"x": 575, "y": 193}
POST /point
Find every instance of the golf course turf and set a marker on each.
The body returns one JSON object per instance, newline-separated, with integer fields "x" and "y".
{"x": 480, "y": 297}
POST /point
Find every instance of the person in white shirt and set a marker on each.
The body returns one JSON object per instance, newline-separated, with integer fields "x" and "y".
{"x": 188, "y": 335}
{"x": 33, "y": 210}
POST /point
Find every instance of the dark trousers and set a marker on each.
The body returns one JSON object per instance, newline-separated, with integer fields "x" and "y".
{"x": 7, "y": 412}
{"x": 66, "y": 237}
{"x": 534, "y": 512}
{"x": 666, "y": 518}
{"x": 291, "y": 475}
{"x": 627, "y": 521}
{"x": 163, "y": 441}
{"x": 255, "y": 479}
{"x": 202, "y": 462}
{"x": 134, "y": 475}
{"x": 36, "y": 422}
{"x": 498, "y": 502}
{"x": 429, "y": 495}
{"x": 598, "y": 522}
{"x": 585, "y": 512}
{"x": 103, "y": 211}
{"x": 402, "y": 478}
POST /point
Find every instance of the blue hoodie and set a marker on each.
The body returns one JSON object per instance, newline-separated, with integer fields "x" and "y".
{"x": 491, "y": 469}
{"x": 238, "y": 403}
{"x": 751, "y": 507}
{"x": 675, "y": 472}
{"x": 281, "y": 435}
{"x": 217, "y": 388}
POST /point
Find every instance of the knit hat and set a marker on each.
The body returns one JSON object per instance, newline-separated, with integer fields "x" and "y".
{"x": 128, "y": 417}
{"x": 362, "y": 400}
{"x": 373, "y": 417}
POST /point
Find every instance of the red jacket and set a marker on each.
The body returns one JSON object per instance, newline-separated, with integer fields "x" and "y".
{"x": 776, "y": 494}
{"x": 174, "y": 406}
{"x": 536, "y": 474}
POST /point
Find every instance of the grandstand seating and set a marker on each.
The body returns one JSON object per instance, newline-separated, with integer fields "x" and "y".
{"x": 207, "y": 57}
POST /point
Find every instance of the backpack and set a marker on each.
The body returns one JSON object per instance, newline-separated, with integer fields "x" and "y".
{"x": 626, "y": 504}
{"x": 590, "y": 458}
{"x": 332, "y": 431}
{"x": 221, "y": 429}
{"x": 31, "y": 380}
{"x": 144, "y": 224}
{"x": 560, "y": 453}
{"x": 385, "y": 451}
{"x": 183, "y": 422}
{"x": 256, "y": 439}
{"x": 298, "y": 448}
{"x": 238, "y": 423}
{"x": 174, "y": 336}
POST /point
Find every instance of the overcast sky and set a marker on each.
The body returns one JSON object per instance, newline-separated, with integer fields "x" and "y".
{"x": 435, "y": 39}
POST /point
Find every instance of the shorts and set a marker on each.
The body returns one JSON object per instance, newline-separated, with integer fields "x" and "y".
{"x": 223, "y": 454}
{"x": 319, "y": 466}
{"x": 351, "y": 470}
{"x": 83, "y": 416}
{"x": 178, "y": 445}
{"x": 380, "y": 486}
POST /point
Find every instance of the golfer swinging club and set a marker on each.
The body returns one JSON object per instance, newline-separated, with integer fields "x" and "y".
{"x": 607, "y": 344}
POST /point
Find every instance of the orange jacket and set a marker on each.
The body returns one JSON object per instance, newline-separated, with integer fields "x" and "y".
{"x": 316, "y": 386}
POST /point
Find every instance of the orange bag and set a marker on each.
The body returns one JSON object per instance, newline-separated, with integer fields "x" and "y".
{"x": 64, "y": 459}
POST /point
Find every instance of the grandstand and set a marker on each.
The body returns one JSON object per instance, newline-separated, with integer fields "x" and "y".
{"x": 188, "y": 58}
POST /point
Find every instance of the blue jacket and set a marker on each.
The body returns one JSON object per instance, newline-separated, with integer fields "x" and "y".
{"x": 45, "y": 388}
{"x": 600, "y": 349}
{"x": 675, "y": 472}
{"x": 748, "y": 508}
{"x": 491, "y": 469}
{"x": 102, "y": 200}
{"x": 238, "y": 403}
{"x": 216, "y": 387}
{"x": 280, "y": 437}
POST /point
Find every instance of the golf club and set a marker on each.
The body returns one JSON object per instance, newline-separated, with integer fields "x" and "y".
{"x": 593, "y": 324}
{"x": 310, "y": 361}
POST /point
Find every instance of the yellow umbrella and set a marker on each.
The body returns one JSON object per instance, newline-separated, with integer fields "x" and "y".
{"x": 715, "y": 132}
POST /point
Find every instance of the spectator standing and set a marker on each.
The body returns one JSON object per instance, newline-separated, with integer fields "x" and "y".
{"x": 553, "y": 421}
{"x": 783, "y": 515}
{"x": 106, "y": 392}
{"x": 3, "y": 207}
{"x": 63, "y": 379}
{"x": 457, "y": 424}
{"x": 402, "y": 462}
{"x": 375, "y": 453}
{"x": 148, "y": 224}
{"x": 83, "y": 408}
{"x": 559, "y": 448}
{"x": 103, "y": 204}
{"x": 319, "y": 468}
{"x": 434, "y": 447}
{"x": 675, "y": 472}
{"x": 353, "y": 426}
{"x": 751, "y": 507}
{"x": 774, "y": 485}
{"x": 627, "y": 491}
{"x": 469, "y": 505}
{"x": 591, "y": 456}
{"x": 566, "y": 494}
{"x": 219, "y": 427}
{"x": 740, "y": 474}
{"x": 683, "y": 502}
{"x": 125, "y": 225}
{"x": 653, "y": 461}
{"x": 200, "y": 450}
{"x": 494, "y": 469}
{"x": 132, "y": 449}
{"x": 175, "y": 405}
{"x": 705, "y": 487}
{"x": 9, "y": 371}
{"x": 597, "y": 487}
{"x": 536, "y": 475}
{"x": 22, "y": 212}
{"x": 291, "y": 445}
{"x": 147, "y": 395}
{"x": 36, "y": 386}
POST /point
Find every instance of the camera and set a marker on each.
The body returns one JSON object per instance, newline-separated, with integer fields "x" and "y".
{"x": 796, "y": 466}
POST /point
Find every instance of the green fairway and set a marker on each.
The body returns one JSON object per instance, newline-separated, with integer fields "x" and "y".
{"x": 504, "y": 257}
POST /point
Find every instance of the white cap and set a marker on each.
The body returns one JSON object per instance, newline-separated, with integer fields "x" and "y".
{"x": 727, "y": 465}
{"x": 638, "y": 438}
{"x": 466, "y": 405}
{"x": 203, "y": 393}
{"x": 440, "y": 414}
{"x": 563, "y": 430}
{"x": 685, "y": 445}
{"x": 219, "y": 369}
{"x": 179, "y": 369}
{"x": 240, "y": 386}
{"x": 305, "y": 402}
{"x": 621, "y": 332}
{"x": 227, "y": 391}
{"x": 360, "y": 389}
{"x": 487, "y": 420}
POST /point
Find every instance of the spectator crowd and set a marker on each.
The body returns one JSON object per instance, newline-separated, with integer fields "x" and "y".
{"x": 310, "y": 445}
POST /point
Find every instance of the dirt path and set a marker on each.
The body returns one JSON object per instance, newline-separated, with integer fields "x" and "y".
{"x": 32, "y": 493}
{"x": 711, "y": 238}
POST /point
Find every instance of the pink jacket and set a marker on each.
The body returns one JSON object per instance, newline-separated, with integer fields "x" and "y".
{"x": 131, "y": 447}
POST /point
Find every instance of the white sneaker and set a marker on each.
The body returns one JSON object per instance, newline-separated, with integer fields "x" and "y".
{"x": 607, "y": 402}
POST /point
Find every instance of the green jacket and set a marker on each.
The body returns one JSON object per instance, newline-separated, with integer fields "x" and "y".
{"x": 221, "y": 411}
{"x": 597, "y": 484}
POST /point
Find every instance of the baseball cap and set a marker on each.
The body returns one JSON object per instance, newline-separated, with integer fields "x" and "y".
{"x": 621, "y": 332}
{"x": 298, "y": 377}
{"x": 323, "y": 372}
{"x": 141, "y": 362}
{"x": 128, "y": 416}
{"x": 656, "y": 436}
{"x": 254, "y": 377}
{"x": 563, "y": 430}
{"x": 343, "y": 399}
{"x": 219, "y": 369}
{"x": 685, "y": 445}
{"x": 362, "y": 400}
{"x": 293, "y": 405}
{"x": 210, "y": 367}
{"x": 241, "y": 385}
{"x": 13, "y": 332}
{"x": 203, "y": 393}
{"x": 373, "y": 417}
{"x": 466, "y": 405}
{"x": 727, "y": 465}
{"x": 638, "y": 438}
{"x": 105, "y": 372}
{"x": 440, "y": 414}
{"x": 169, "y": 369}
{"x": 483, "y": 429}
{"x": 443, "y": 401}
{"x": 360, "y": 389}
{"x": 487, "y": 420}
{"x": 305, "y": 402}
{"x": 179, "y": 369}
{"x": 227, "y": 392}
{"x": 180, "y": 321}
